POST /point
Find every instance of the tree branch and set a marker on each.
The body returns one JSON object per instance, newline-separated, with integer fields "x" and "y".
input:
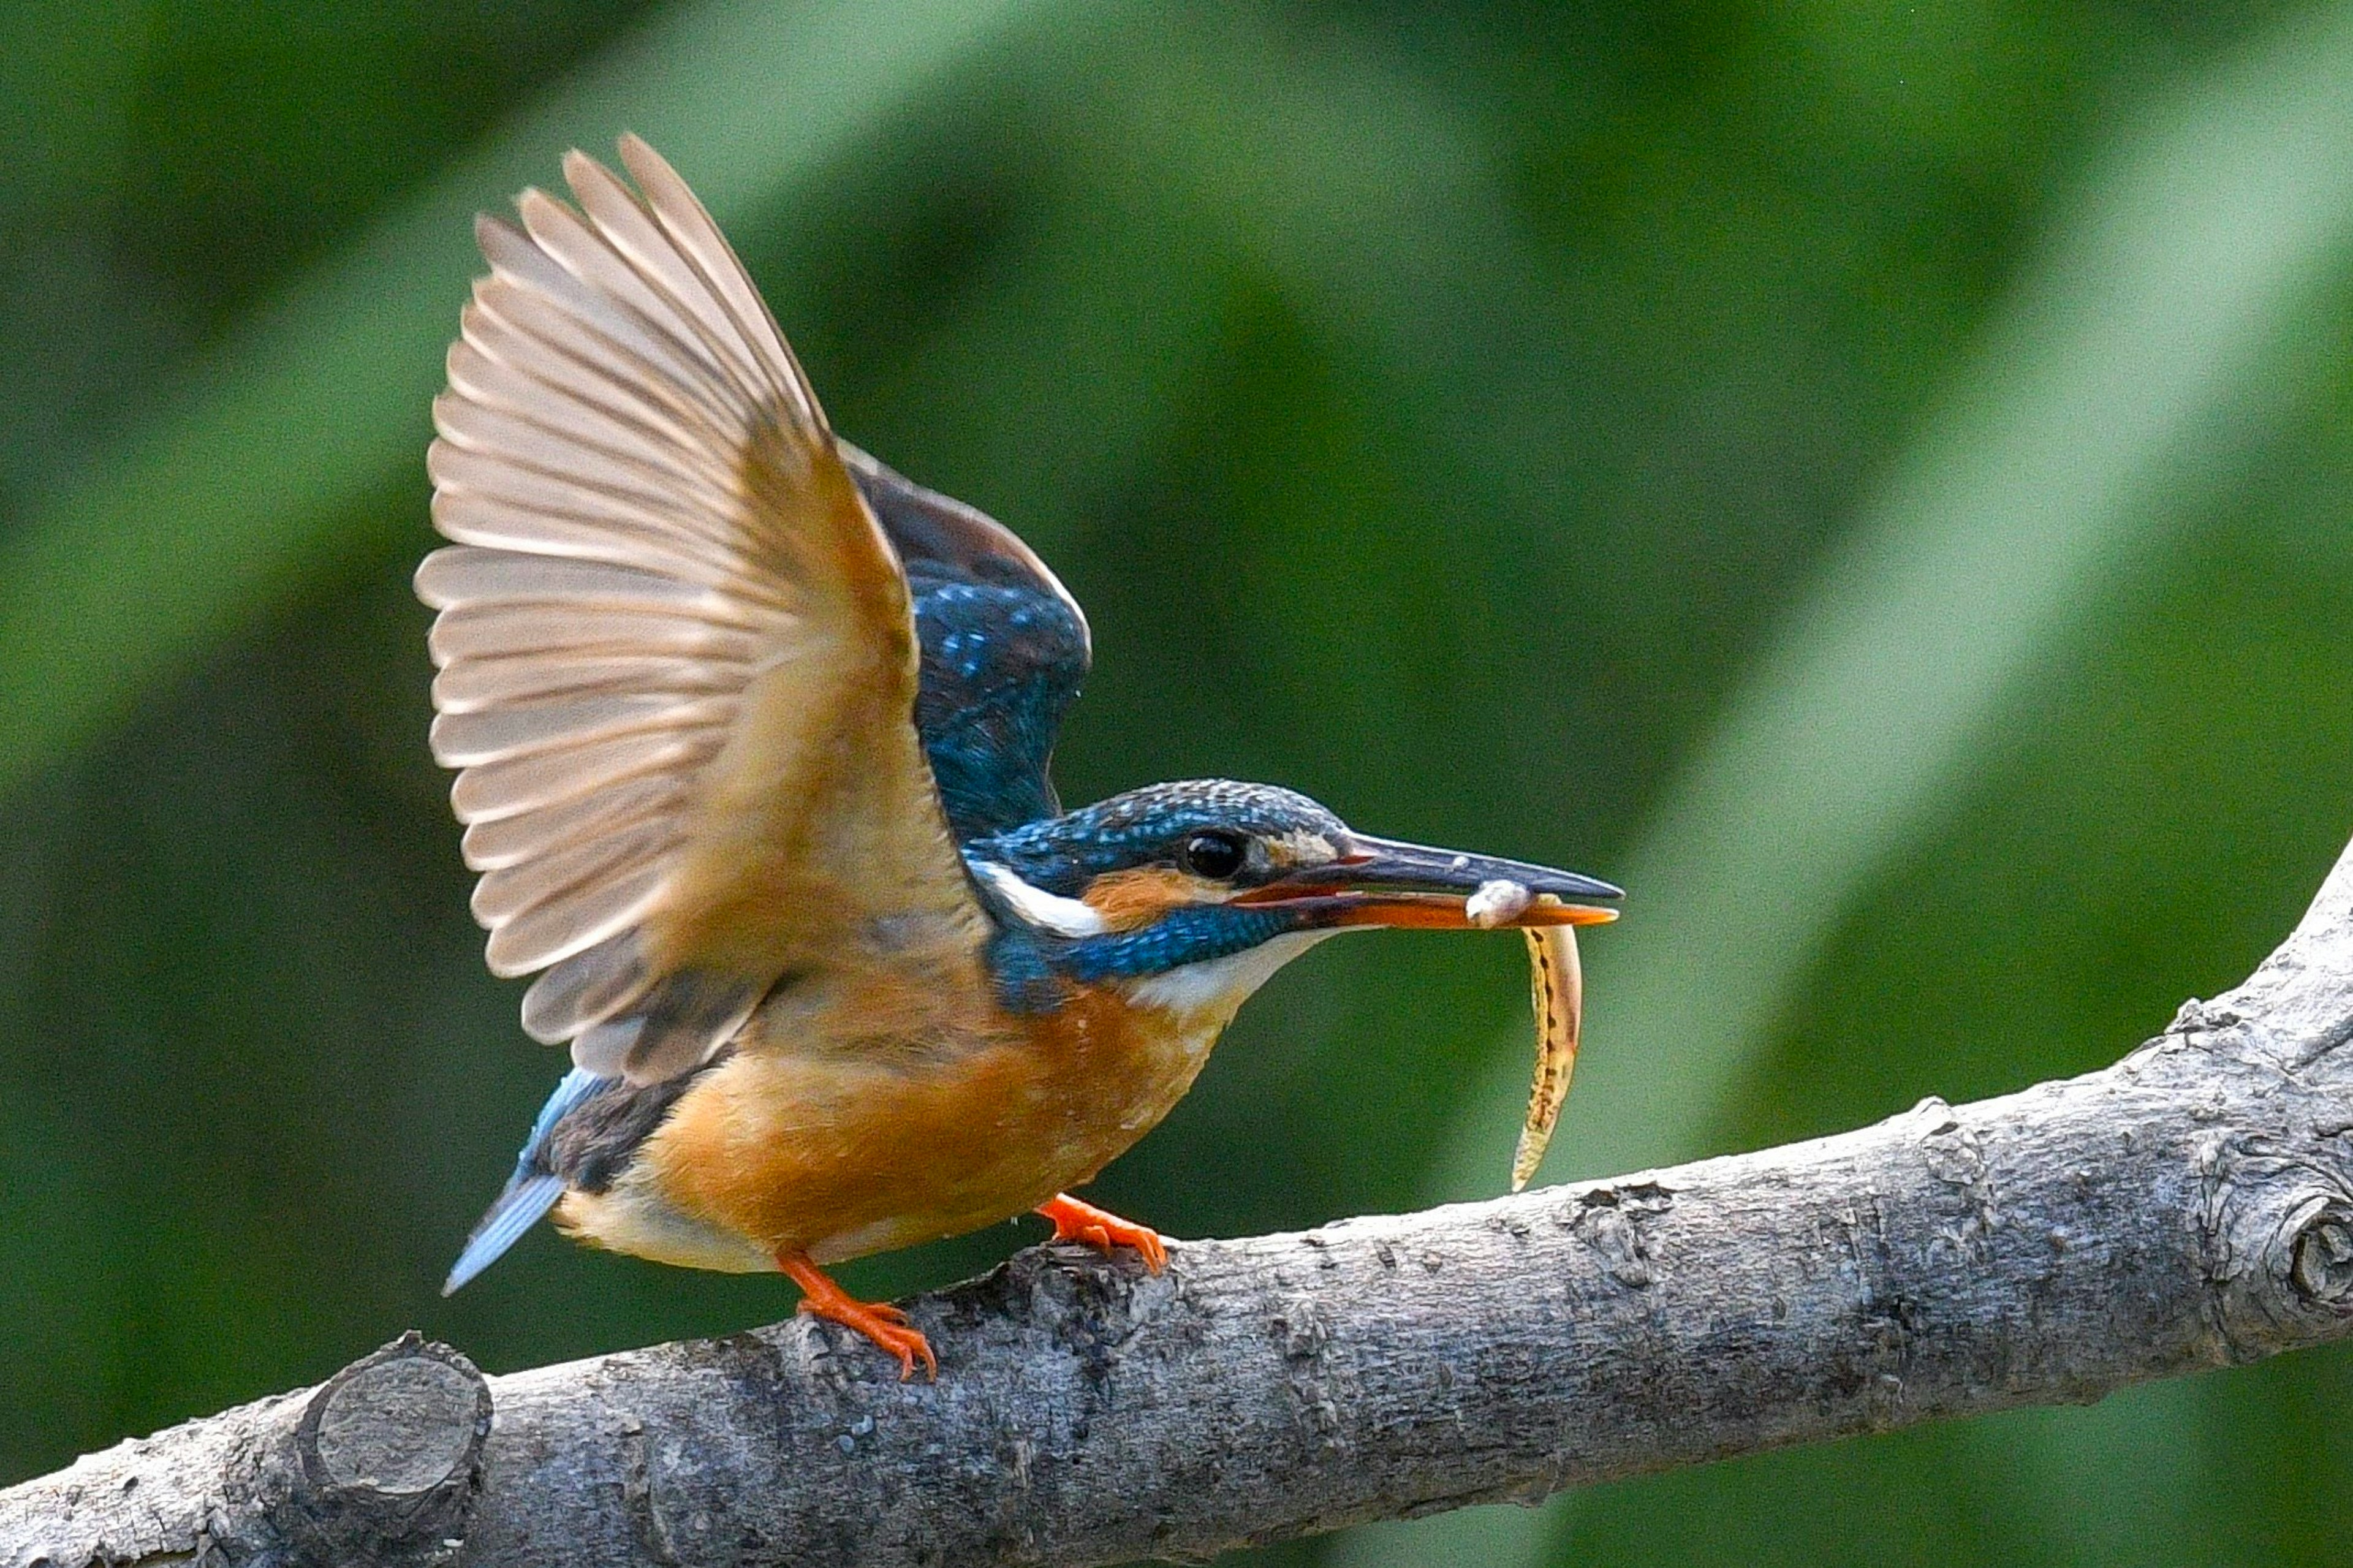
{"x": 2185, "y": 1208}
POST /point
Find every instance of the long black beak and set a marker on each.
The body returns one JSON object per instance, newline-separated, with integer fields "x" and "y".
{"x": 1379, "y": 881}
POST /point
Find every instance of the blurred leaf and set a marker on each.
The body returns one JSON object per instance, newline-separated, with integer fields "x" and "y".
{"x": 239, "y": 488}
{"x": 67, "y": 69}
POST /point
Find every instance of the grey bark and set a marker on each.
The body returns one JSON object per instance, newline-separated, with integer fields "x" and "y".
{"x": 2187, "y": 1207}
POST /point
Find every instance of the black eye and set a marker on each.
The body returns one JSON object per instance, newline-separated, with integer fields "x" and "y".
{"x": 1214, "y": 854}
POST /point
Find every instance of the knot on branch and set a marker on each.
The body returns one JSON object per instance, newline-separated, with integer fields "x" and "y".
{"x": 2280, "y": 1230}
{"x": 2319, "y": 1244}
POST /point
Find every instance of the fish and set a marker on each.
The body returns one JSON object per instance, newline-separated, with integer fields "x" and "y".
{"x": 1557, "y": 995}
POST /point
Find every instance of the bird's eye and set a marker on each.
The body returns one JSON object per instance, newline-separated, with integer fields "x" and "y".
{"x": 1214, "y": 854}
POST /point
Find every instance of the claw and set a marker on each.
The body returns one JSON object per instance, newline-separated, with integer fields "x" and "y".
{"x": 879, "y": 1321}
{"x": 1099, "y": 1228}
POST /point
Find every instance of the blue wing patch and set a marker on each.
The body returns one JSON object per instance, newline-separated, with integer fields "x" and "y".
{"x": 1005, "y": 650}
{"x": 1001, "y": 665}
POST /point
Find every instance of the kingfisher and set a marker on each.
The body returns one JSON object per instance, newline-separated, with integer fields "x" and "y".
{"x": 752, "y": 737}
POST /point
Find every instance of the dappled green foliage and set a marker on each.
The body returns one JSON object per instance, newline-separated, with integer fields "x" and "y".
{"x": 1546, "y": 429}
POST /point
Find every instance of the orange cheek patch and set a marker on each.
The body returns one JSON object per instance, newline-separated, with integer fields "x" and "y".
{"x": 1130, "y": 899}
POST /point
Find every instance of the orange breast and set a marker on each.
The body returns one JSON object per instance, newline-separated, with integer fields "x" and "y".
{"x": 867, "y": 1121}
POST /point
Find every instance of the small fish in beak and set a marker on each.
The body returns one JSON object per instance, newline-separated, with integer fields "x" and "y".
{"x": 1556, "y": 993}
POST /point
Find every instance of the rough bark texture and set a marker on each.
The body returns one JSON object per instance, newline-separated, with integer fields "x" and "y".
{"x": 2186, "y": 1207}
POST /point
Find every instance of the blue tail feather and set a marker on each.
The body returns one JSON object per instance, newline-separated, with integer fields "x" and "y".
{"x": 531, "y": 1192}
{"x": 521, "y": 1207}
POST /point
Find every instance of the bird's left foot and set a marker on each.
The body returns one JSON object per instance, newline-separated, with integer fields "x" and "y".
{"x": 1075, "y": 1221}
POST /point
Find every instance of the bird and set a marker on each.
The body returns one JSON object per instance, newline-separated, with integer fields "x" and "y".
{"x": 753, "y": 738}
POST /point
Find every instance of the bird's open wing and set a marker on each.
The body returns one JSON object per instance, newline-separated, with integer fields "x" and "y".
{"x": 678, "y": 660}
{"x": 1005, "y": 650}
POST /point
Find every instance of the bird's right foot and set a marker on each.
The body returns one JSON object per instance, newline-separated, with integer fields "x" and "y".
{"x": 879, "y": 1321}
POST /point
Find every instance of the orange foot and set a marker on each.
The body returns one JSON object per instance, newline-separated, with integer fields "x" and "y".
{"x": 1075, "y": 1221}
{"x": 877, "y": 1321}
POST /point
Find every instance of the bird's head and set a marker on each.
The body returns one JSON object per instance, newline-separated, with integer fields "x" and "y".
{"x": 1190, "y": 895}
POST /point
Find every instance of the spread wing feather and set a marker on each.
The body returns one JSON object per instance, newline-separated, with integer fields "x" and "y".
{"x": 678, "y": 664}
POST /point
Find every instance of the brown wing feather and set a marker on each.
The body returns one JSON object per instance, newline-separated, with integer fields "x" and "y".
{"x": 678, "y": 666}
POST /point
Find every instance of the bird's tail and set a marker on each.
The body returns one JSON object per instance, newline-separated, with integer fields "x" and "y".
{"x": 531, "y": 1192}
{"x": 517, "y": 1209}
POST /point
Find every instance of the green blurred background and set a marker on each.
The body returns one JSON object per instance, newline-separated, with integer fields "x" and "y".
{"x": 1874, "y": 480}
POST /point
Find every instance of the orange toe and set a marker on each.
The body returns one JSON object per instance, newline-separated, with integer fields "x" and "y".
{"x": 1076, "y": 1221}
{"x": 879, "y": 1321}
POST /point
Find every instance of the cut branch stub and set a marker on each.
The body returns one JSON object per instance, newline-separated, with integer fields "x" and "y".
{"x": 388, "y": 1452}
{"x": 384, "y": 1464}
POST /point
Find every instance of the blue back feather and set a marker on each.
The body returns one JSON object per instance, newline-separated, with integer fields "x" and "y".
{"x": 1000, "y": 665}
{"x": 1003, "y": 651}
